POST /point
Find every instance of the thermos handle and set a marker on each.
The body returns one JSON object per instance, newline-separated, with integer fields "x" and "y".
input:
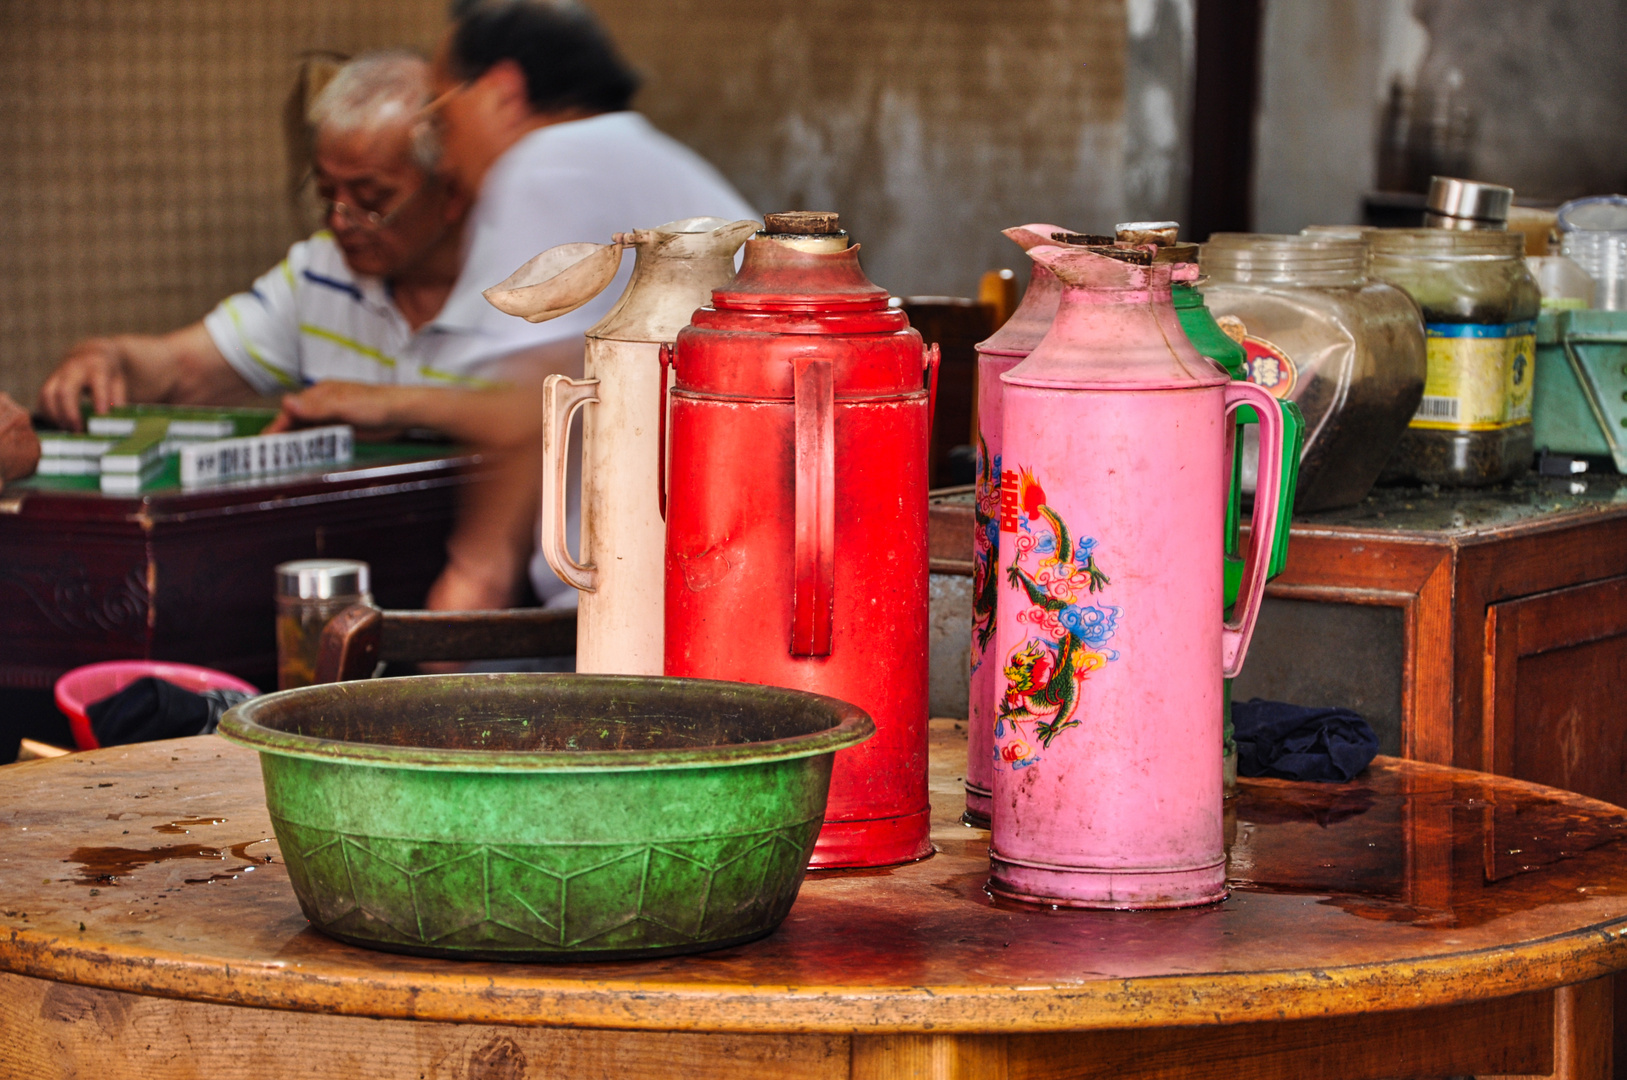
{"x": 814, "y": 586}
{"x": 931, "y": 363}
{"x": 661, "y": 431}
{"x": 1267, "y": 494}
{"x": 562, "y": 396}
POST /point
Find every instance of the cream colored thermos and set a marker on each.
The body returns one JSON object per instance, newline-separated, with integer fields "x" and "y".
{"x": 620, "y": 554}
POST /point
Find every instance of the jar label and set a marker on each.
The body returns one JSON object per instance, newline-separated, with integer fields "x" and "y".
{"x": 1479, "y": 376}
{"x": 1267, "y": 366}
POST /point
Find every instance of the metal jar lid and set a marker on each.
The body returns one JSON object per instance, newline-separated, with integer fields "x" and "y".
{"x": 1486, "y": 205}
{"x": 322, "y": 579}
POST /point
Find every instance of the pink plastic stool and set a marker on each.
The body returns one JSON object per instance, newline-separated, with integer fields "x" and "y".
{"x": 84, "y": 686}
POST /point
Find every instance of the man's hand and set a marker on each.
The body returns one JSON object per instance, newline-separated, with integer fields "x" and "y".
{"x": 183, "y": 367}
{"x": 19, "y": 447}
{"x": 95, "y": 366}
{"x": 372, "y": 409}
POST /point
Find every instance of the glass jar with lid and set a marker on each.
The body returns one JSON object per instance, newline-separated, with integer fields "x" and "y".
{"x": 1349, "y": 351}
{"x": 1340, "y": 232}
{"x": 310, "y": 592}
{"x": 1480, "y": 305}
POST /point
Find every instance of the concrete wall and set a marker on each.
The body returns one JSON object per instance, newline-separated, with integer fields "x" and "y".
{"x": 1545, "y": 79}
{"x": 930, "y": 124}
{"x": 1158, "y": 108}
{"x": 1324, "y": 65}
{"x": 1549, "y": 82}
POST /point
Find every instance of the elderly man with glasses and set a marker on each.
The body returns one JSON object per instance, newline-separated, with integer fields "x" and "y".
{"x": 361, "y": 300}
{"x": 533, "y": 109}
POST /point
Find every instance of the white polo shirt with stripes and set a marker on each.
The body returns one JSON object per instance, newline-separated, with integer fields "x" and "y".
{"x": 311, "y": 318}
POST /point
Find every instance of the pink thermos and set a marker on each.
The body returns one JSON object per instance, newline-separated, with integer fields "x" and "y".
{"x": 1004, "y": 349}
{"x": 1111, "y": 633}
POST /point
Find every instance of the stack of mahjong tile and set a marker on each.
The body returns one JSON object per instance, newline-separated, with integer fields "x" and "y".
{"x": 131, "y": 447}
{"x": 64, "y": 453}
{"x": 191, "y": 423}
{"x": 126, "y": 458}
{"x": 128, "y": 448}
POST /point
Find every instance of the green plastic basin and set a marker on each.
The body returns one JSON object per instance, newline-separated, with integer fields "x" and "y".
{"x": 545, "y": 817}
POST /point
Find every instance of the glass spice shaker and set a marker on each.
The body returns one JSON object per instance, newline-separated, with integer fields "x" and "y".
{"x": 1480, "y": 304}
{"x": 1466, "y": 204}
{"x": 310, "y": 592}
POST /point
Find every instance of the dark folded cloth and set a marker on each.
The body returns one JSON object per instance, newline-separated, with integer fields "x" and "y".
{"x": 150, "y": 709}
{"x": 1301, "y": 742}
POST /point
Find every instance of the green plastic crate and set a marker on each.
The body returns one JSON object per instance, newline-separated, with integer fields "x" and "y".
{"x": 1579, "y": 403}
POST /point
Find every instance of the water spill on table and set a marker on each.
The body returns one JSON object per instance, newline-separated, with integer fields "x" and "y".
{"x": 835, "y": 873}
{"x": 1399, "y": 844}
{"x": 107, "y": 865}
{"x": 1428, "y": 850}
{"x": 184, "y": 825}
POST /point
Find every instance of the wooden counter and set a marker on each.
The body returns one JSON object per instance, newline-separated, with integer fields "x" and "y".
{"x": 1421, "y": 921}
{"x": 174, "y": 574}
{"x": 1483, "y": 629}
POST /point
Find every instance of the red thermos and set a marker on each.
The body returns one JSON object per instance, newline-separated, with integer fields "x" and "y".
{"x": 796, "y": 514}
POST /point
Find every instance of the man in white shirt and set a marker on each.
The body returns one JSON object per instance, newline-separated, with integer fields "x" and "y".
{"x": 532, "y": 112}
{"x": 363, "y": 300}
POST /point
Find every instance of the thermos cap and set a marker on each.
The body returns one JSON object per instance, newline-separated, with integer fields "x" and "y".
{"x": 322, "y": 579}
{"x": 803, "y": 223}
{"x": 1452, "y": 198}
{"x": 1160, "y": 233}
{"x": 816, "y": 231}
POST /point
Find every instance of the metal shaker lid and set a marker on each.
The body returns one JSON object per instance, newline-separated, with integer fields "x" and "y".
{"x": 1467, "y": 200}
{"x": 322, "y": 579}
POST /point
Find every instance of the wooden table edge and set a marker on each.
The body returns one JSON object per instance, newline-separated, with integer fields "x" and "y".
{"x": 1201, "y": 999}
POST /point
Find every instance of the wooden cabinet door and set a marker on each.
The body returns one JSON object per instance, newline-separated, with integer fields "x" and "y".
{"x": 1556, "y": 689}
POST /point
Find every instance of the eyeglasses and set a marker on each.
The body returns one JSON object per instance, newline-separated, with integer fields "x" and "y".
{"x": 429, "y": 115}
{"x": 372, "y": 220}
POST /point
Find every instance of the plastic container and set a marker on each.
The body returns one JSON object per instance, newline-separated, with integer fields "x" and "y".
{"x": 85, "y": 686}
{"x": 1565, "y": 286}
{"x": 1480, "y": 305}
{"x": 1539, "y": 227}
{"x": 545, "y": 817}
{"x": 1347, "y": 350}
{"x": 310, "y": 592}
{"x": 1593, "y": 233}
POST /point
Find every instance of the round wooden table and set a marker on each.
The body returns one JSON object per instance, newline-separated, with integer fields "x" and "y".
{"x": 1421, "y": 921}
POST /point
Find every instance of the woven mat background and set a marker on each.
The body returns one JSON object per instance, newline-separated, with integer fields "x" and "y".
{"x": 143, "y": 166}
